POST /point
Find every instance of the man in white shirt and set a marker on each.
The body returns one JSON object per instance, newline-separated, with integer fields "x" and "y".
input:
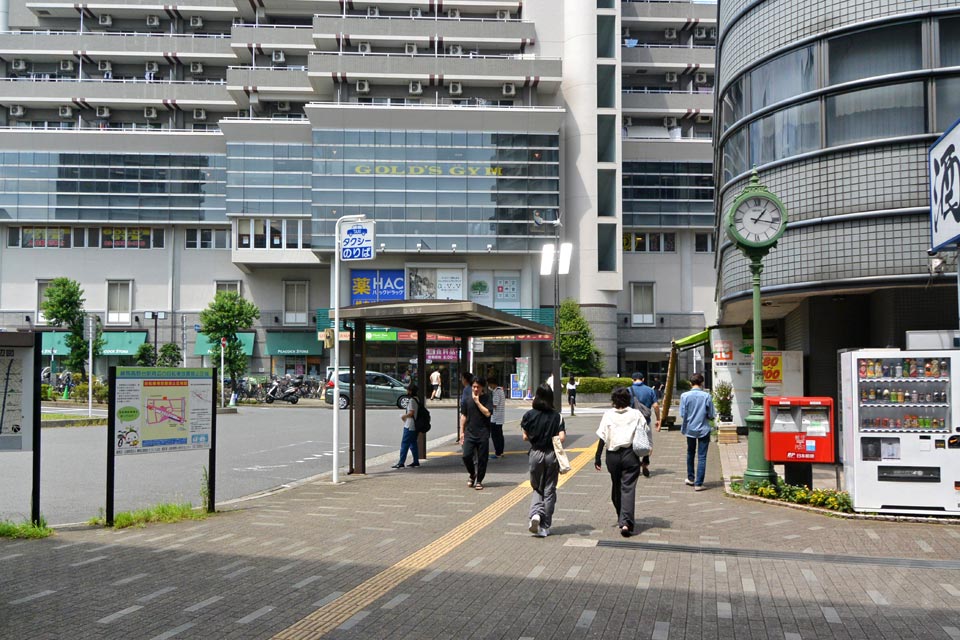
{"x": 498, "y": 415}
{"x": 435, "y": 384}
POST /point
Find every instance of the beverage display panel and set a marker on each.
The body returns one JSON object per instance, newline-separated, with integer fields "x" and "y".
{"x": 907, "y": 394}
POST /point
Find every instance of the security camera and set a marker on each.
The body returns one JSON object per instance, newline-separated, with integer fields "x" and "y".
{"x": 932, "y": 252}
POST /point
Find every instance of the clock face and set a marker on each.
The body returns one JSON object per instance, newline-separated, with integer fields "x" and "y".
{"x": 757, "y": 220}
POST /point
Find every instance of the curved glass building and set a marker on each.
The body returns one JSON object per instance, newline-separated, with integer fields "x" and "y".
{"x": 835, "y": 105}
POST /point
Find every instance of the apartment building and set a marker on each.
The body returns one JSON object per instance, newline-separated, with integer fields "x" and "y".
{"x": 158, "y": 154}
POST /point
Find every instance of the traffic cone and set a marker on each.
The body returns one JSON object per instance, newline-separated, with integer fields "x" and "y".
{"x": 233, "y": 399}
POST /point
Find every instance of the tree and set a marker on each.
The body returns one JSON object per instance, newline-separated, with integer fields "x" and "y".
{"x": 578, "y": 353}
{"x": 146, "y": 355}
{"x": 226, "y": 315}
{"x": 170, "y": 355}
{"x": 62, "y": 306}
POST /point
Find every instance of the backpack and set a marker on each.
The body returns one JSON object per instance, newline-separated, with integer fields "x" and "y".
{"x": 421, "y": 422}
{"x": 644, "y": 409}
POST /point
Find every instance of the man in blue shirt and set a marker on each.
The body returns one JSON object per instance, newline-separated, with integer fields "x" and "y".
{"x": 696, "y": 410}
{"x": 645, "y": 399}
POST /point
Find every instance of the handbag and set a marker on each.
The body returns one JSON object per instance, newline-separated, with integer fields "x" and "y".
{"x": 642, "y": 438}
{"x": 562, "y": 459}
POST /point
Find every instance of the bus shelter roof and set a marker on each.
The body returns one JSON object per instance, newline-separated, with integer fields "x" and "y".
{"x": 445, "y": 317}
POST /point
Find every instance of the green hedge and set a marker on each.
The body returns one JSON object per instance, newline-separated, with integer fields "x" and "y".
{"x": 602, "y": 385}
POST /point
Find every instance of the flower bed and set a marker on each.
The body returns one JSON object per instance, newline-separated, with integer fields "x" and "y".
{"x": 822, "y": 498}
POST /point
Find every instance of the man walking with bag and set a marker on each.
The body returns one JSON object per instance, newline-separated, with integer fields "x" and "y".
{"x": 696, "y": 410}
{"x": 644, "y": 399}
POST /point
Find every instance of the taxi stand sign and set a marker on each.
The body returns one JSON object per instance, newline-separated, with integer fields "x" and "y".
{"x": 357, "y": 240}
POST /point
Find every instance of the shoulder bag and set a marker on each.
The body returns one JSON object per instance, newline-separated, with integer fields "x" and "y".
{"x": 642, "y": 438}
{"x": 561, "y": 455}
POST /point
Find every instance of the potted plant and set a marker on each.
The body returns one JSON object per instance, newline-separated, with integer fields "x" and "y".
{"x": 723, "y": 401}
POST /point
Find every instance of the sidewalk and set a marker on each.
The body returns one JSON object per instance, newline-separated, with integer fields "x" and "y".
{"x": 414, "y": 553}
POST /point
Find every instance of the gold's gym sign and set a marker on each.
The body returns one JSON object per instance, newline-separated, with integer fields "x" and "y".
{"x": 427, "y": 170}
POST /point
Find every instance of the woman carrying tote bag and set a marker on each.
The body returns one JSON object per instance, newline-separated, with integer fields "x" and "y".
{"x": 616, "y": 432}
{"x": 539, "y": 426}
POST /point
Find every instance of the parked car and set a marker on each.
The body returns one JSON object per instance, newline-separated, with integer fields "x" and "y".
{"x": 382, "y": 390}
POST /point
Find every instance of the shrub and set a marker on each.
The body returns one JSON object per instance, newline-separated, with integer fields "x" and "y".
{"x": 100, "y": 392}
{"x": 823, "y": 498}
{"x": 684, "y": 385}
{"x": 46, "y": 392}
{"x": 723, "y": 399}
{"x": 602, "y": 385}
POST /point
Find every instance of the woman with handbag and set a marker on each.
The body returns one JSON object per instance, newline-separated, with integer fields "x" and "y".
{"x": 540, "y": 425}
{"x": 617, "y": 429}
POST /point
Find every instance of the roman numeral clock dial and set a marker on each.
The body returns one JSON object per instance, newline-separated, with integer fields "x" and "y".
{"x": 756, "y": 220}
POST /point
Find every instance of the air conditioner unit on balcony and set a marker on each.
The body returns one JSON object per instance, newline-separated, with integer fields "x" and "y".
{"x": 509, "y": 89}
{"x": 150, "y": 112}
{"x": 196, "y": 67}
{"x": 151, "y": 67}
{"x": 103, "y": 112}
{"x": 415, "y": 88}
{"x": 196, "y": 22}
{"x": 704, "y": 119}
{"x": 455, "y": 50}
{"x": 670, "y": 122}
{"x": 627, "y": 121}
{"x": 453, "y": 13}
{"x": 410, "y": 49}
{"x": 283, "y": 105}
{"x": 671, "y": 77}
{"x": 416, "y": 12}
{"x": 153, "y": 21}
{"x": 66, "y": 112}
{"x": 364, "y": 47}
{"x": 363, "y": 86}
{"x": 17, "y": 111}
{"x": 456, "y": 88}
{"x": 66, "y": 65}
{"x": 199, "y": 114}
{"x": 700, "y": 32}
{"x": 670, "y": 34}
{"x": 104, "y": 65}
{"x": 105, "y": 20}
{"x": 278, "y": 56}
{"x": 18, "y": 64}
{"x": 373, "y": 12}
{"x": 700, "y": 78}
{"x": 503, "y": 14}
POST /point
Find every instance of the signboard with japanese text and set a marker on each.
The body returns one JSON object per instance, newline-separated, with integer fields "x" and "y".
{"x": 162, "y": 409}
{"x": 450, "y": 284}
{"x": 356, "y": 240}
{"x": 443, "y": 354}
{"x": 944, "y": 161}
{"x": 17, "y": 380}
{"x": 376, "y": 285}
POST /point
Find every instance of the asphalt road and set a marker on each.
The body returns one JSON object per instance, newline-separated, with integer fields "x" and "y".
{"x": 259, "y": 448}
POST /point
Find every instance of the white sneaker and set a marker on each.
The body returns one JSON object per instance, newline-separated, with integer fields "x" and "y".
{"x": 534, "y": 525}
{"x": 543, "y": 532}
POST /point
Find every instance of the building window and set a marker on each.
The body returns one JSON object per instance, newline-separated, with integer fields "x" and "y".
{"x": 39, "y": 237}
{"x": 950, "y": 42}
{"x": 880, "y": 112}
{"x": 272, "y": 233}
{"x": 703, "y": 243}
{"x": 80, "y": 237}
{"x": 207, "y": 239}
{"x": 231, "y": 286}
{"x": 641, "y": 303}
{"x": 295, "y": 309}
{"x": 649, "y": 242}
{"x": 785, "y": 133}
{"x": 41, "y": 296}
{"x": 781, "y": 78}
{"x": 875, "y": 52}
{"x": 119, "y": 301}
{"x": 13, "y": 237}
{"x": 130, "y": 238}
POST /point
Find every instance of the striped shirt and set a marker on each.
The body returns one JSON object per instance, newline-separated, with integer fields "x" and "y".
{"x": 499, "y": 408}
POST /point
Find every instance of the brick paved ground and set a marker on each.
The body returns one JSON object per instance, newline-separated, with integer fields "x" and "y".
{"x": 702, "y": 565}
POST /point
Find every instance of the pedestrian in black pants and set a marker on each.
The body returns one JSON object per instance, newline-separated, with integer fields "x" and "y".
{"x": 616, "y": 436}
{"x": 475, "y": 433}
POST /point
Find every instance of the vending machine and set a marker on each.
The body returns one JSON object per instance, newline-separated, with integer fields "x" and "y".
{"x": 901, "y": 433}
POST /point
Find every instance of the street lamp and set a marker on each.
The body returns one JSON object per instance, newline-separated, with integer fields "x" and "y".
{"x": 557, "y": 263}
{"x": 155, "y": 316}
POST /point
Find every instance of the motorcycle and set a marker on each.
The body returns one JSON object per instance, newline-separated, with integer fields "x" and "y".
{"x": 285, "y": 389}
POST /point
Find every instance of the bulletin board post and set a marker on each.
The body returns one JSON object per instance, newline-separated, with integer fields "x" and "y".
{"x": 35, "y": 492}
{"x": 111, "y": 451}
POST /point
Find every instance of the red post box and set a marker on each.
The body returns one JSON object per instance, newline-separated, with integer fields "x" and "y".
{"x": 799, "y": 430}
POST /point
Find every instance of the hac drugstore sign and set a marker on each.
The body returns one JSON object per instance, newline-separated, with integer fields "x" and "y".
{"x": 427, "y": 170}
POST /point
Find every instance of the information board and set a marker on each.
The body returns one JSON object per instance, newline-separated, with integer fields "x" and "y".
{"x": 17, "y": 379}
{"x": 162, "y": 409}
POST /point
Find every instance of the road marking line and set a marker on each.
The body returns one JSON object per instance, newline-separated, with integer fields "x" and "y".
{"x": 163, "y": 537}
{"x": 187, "y": 557}
{"x": 133, "y": 578}
{"x": 35, "y": 596}
{"x": 204, "y": 604}
{"x": 223, "y": 537}
{"x": 11, "y": 556}
{"x": 173, "y": 632}
{"x": 269, "y": 524}
{"x": 90, "y": 561}
{"x": 67, "y": 545}
{"x": 238, "y": 572}
{"x": 227, "y": 567}
{"x": 330, "y": 616}
{"x": 119, "y": 614}
{"x": 156, "y": 594}
{"x": 396, "y": 601}
{"x": 256, "y": 614}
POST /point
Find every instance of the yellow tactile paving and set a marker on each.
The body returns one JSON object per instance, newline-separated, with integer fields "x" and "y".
{"x": 332, "y": 615}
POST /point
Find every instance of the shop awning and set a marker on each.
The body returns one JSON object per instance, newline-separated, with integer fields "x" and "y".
{"x": 283, "y": 343}
{"x": 122, "y": 343}
{"x": 695, "y": 340}
{"x": 204, "y": 348}
{"x": 54, "y": 340}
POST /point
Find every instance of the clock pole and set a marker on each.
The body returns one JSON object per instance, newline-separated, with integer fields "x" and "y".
{"x": 758, "y": 468}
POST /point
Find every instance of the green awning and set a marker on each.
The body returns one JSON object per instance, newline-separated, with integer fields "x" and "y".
{"x": 54, "y": 340}
{"x": 204, "y": 348}
{"x": 695, "y": 340}
{"x": 122, "y": 343}
{"x": 282, "y": 343}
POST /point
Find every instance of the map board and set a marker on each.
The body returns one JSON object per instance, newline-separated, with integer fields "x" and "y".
{"x": 162, "y": 409}
{"x": 17, "y": 379}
